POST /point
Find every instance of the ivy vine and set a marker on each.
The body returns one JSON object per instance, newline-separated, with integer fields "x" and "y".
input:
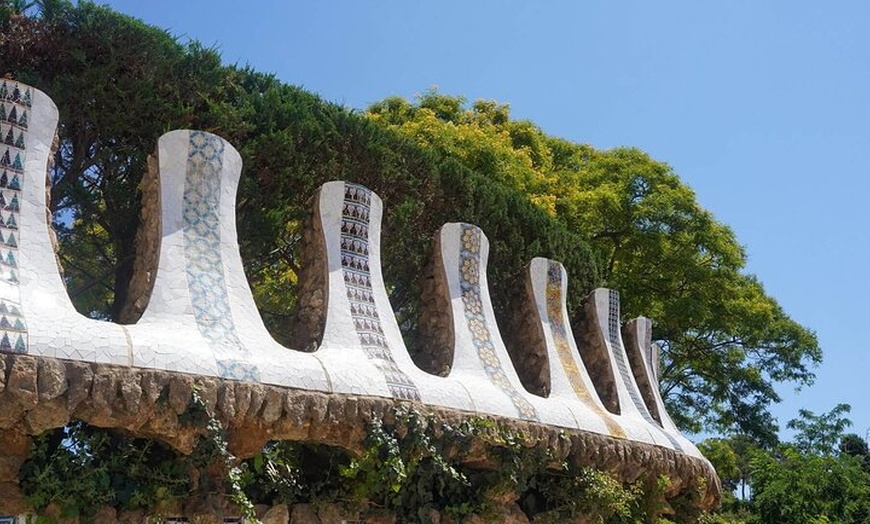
{"x": 414, "y": 466}
{"x": 79, "y": 468}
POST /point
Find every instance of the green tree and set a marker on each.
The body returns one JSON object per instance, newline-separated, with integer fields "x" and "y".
{"x": 119, "y": 85}
{"x": 726, "y": 343}
{"x": 732, "y": 457}
{"x": 138, "y": 82}
{"x": 745, "y": 448}
{"x": 853, "y": 444}
{"x": 720, "y": 453}
{"x": 820, "y": 434}
{"x": 790, "y": 486}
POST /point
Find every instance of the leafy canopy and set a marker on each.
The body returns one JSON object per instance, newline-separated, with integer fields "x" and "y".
{"x": 613, "y": 217}
{"x": 791, "y": 486}
{"x": 120, "y": 84}
{"x": 726, "y": 343}
{"x": 820, "y": 434}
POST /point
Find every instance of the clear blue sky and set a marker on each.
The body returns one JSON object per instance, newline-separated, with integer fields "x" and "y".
{"x": 762, "y": 107}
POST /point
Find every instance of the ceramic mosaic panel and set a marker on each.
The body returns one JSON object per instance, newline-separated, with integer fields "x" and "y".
{"x": 15, "y": 102}
{"x": 355, "y": 220}
{"x": 206, "y": 282}
{"x": 472, "y": 303}
{"x": 205, "y": 322}
{"x": 643, "y": 335}
{"x": 613, "y": 335}
{"x": 555, "y": 303}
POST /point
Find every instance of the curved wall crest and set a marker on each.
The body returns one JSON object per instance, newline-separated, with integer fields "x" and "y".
{"x": 201, "y": 319}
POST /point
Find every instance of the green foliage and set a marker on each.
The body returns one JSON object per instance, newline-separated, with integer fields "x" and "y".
{"x": 720, "y": 453}
{"x": 722, "y": 518}
{"x": 411, "y": 466}
{"x": 405, "y": 469}
{"x": 791, "y": 486}
{"x": 80, "y": 467}
{"x": 292, "y": 473}
{"x": 855, "y": 446}
{"x": 820, "y": 434}
{"x": 569, "y": 494}
{"x": 417, "y": 464}
{"x": 732, "y": 457}
{"x": 725, "y": 341}
{"x": 213, "y": 449}
{"x": 803, "y": 481}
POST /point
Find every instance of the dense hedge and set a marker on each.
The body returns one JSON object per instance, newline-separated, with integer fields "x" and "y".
{"x": 119, "y": 84}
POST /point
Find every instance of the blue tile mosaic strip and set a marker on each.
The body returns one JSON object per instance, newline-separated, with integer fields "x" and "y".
{"x": 15, "y": 102}
{"x": 621, "y": 364}
{"x": 204, "y": 266}
{"x": 355, "y": 219}
{"x": 469, "y": 285}
{"x": 6, "y": 519}
{"x": 238, "y": 370}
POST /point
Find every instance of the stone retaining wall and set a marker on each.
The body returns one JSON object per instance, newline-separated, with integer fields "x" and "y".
{"x": 38, "y": 394}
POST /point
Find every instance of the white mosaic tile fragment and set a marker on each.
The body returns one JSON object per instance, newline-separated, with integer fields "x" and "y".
{"x": 200, "y": 288}
{"x": 362, "y": 346}
{"x": 642, "y": 334}
{"x": 201, "y": 318}
{"x": 569, "y": 378}
{"x": 54, "y": 327}
{"x": 631, "y": 405}
{"x": 480, "y": 359}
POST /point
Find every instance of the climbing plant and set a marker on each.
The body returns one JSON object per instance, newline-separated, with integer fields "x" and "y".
{"x": 80, "y": 468}
{"x": 415, "y": 466}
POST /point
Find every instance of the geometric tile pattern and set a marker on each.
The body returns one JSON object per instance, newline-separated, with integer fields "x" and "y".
{"x": 469, "y": 285}
{"x": 15, "y": 102}
{"x": 204, "y": 266}
{"x": 7, "y": 520}
{"x": 622, "y": 366}
{"x": 563, "y": 348}
{"x": 355, "y": 219}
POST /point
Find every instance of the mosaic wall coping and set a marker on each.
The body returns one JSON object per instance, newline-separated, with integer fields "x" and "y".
{"x": 201, "y": 320}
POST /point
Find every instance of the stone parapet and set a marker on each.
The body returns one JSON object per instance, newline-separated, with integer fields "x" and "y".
{"x": 193, "y": 320}
{"x": 39, "y": 394}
